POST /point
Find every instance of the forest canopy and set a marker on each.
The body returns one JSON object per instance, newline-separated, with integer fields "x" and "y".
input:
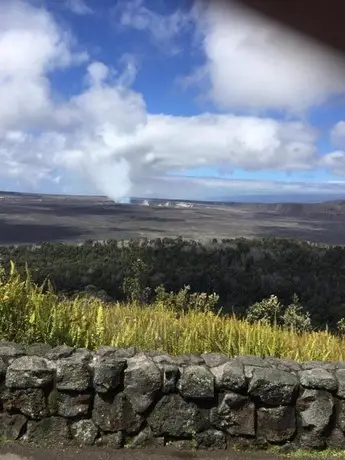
{"x": 240, "y": 271}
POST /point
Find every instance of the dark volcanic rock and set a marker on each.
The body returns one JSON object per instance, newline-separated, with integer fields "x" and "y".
{"x": 145, "y": 439}
{"x": 112, "y": 414}
{"x": 214, "y": 359}
{"x": 12, "y": 426}
{"x": 60, "y": 352}
{"x": 10, "y": 351}
{"x": 29, "y": 372}
{"x": 121, "y": 398}
{"x": 50, "y": 430}
{"x": 318, "y": 379}
{"x": 173, "y": 416}
{"x": 196, "y": 382}
{"x": 189, "y": 359}
{"x": 74, "y": 404}
{"x": 170, "y": 375}
{"x": 30, "y": 402}
{"x": 142, "y": 382}
{"x": 276, "y": 424}
{"x": 113, "y": 440}
{"x": 84, "y": 431}
{"x": 273, "y": 386}
{"x": 115, "y": 353}
{"x": 211, "y": 439}
{"x": 3, "y": 368}
{"x": 73, "y": 374}
{"x": 235, "y": 415}
{"x": 108, "y": 374}
{"x": 230, "y": 376}
{"x": 340, "y": 376}
{"x": 315, "y": 409}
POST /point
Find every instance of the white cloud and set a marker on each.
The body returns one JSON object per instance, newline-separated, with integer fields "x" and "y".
{"x": 104, "y": 135}
{"x": 97, "y": 73}
{"x": 245, "y": 142}
{"x": 338, "y": 134}
{"x": 31, "y": 46}
{"x": 78, "y": 7}
{"x": 335, "y": 161}
{"x": 254, "y": 63}
{"x": 198, "y": 188}
{"x": 163, "y": 28}
{"x": 250, "y": 61}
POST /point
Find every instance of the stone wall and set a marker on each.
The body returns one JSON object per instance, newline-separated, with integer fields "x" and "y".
{"x": 120, "y": 397}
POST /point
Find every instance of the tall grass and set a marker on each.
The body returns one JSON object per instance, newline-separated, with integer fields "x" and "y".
{"x": 31, "y": 313}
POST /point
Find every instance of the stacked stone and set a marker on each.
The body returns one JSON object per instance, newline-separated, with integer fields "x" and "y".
{"x": 121, "y": 397}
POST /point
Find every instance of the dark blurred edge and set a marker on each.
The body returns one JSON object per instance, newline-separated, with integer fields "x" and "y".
{"x": 323, "y": 20}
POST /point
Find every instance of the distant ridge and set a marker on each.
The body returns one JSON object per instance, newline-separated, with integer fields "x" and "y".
{"x": 248, "y": 200}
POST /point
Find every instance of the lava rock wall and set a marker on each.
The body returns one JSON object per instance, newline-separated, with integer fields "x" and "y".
{"x": 125, "y": 398}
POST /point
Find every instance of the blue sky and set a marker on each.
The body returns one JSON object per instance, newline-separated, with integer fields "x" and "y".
{"x": 180, "y": 99}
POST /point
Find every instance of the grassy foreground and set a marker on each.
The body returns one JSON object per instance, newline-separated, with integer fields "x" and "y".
{"x": 31, "y": 313}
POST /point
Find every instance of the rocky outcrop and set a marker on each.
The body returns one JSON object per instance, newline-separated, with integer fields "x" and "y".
{"x": 126, "y": 398}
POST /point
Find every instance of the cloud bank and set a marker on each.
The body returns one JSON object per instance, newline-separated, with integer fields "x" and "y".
{"x": 104, "y": 135}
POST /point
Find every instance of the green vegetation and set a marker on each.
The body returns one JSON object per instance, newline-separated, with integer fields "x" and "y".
{"x": 174, "y": 323}
{"x": 308, "y": 277}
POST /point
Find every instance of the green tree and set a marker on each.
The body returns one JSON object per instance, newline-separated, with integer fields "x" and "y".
{"x": 134, "y": 286}
{"x": 295, "y": 318}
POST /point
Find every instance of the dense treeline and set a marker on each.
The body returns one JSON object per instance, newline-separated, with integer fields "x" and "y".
{"x": 240, "y": 271}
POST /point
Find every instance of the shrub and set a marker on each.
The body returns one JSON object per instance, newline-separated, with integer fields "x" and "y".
{"x": 294, "y": 318}
{"x": 266, "y": 311}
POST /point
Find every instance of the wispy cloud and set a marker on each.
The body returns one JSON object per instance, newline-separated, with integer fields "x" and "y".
{"x": 338, "y": 134}
{"x": 78, "y": 7}
{"x": 335, "y": 161}
{"x": 164, "y": 29}
{"x": 199, "y": 188}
